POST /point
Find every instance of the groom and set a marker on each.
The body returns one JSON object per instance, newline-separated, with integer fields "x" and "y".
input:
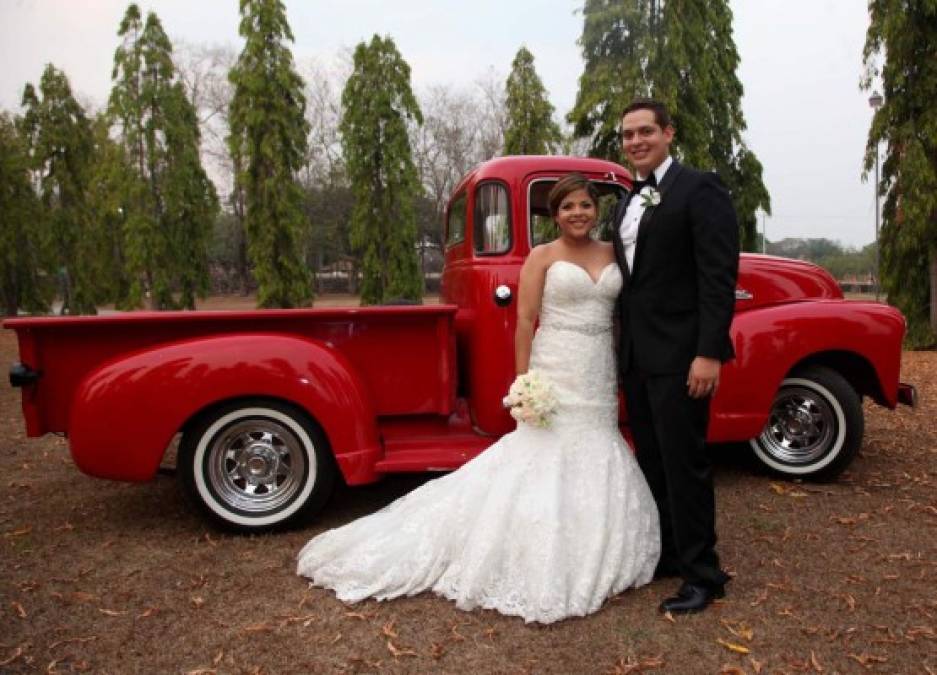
{"x": 678, "y": 249}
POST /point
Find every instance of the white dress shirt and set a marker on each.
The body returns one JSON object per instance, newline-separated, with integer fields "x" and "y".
{"x": 628, "y": 229}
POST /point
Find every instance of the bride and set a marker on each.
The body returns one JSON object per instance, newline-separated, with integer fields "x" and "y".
{"x": 548, "y": 522}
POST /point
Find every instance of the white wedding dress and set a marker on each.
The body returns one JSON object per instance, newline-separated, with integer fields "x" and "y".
{"x": 546, "y": 523}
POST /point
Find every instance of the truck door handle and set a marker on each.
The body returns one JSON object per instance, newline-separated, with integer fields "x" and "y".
{"x": 503, "y": 296}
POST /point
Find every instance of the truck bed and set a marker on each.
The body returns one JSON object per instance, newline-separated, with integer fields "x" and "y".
{"x": 405, "y": 354}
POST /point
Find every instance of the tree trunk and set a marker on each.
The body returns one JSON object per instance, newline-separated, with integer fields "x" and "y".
{"x": 933, "y": 290}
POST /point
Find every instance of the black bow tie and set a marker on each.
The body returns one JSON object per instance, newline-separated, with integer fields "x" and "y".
{"x": 639, "y": 185}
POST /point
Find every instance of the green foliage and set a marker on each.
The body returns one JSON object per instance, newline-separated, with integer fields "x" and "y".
{"x": 904, "y": 35}
{"x": 110, "y": 187}
{"x": 170, "y": 203}
{"x": 683, "y": 53}
{"x": 377, "y": 103}
{"x": 268, "y": 144}
{"x": 530, "y": 126}
{"x": 61, "y": 148}
{"x": 616, "y": 44}
{"x": 24, "y": 282}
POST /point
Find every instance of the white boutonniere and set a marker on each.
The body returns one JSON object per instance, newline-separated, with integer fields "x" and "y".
{"x": 649, "y": 197}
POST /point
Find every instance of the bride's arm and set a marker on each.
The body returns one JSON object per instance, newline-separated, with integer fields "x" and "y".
{"x": 529, "y": 295}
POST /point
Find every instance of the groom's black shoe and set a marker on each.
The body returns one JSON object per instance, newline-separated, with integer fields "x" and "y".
{"x": 691, "y": 598}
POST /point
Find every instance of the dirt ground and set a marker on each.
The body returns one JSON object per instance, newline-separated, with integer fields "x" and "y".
{"x": 120, "y": 578}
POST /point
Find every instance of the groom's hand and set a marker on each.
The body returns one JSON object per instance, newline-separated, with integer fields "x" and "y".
{"x": 704, "y": 377}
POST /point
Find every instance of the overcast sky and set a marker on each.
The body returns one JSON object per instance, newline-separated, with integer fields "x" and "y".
{"x": 801, "y": 64}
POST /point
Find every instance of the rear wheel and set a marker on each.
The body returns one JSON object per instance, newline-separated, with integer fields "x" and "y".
{"x": 815, "y": 426}
{"x": 256, "y": 465}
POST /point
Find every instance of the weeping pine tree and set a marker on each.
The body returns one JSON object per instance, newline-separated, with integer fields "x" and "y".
{"x": 530, "y": 126}
{"x": 22, "y": 250}
{"x": 171, "y": 204}
{"x": 268, "y": 143}
{"x": 902, "y": 38}
{"x": 377, "y": 104}
{"x": 61, "y": 151}
{"x": 683, "y": 53}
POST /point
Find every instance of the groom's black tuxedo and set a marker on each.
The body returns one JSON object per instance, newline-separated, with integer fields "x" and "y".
{"x": 676, "y": 304}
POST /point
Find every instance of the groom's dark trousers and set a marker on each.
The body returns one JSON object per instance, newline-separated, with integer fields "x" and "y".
{"x": 676, "y": 304}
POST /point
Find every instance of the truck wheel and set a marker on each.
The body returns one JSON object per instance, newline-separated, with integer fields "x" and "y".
{"x": 815, "y": 426}
{"x": 256, "y": 465}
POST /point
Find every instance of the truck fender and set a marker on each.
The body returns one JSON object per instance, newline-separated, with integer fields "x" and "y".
{"x": 126, "y": 412}
{"x": 771, "y": 341}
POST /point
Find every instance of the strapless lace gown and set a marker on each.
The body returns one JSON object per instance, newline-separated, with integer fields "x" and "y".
{"x": 546, "y": 523}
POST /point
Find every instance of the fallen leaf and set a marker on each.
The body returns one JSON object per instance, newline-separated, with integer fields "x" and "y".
{"x": 732, "y": 647}
{"x": 635, "y": 665}
{"x": 111, "y": 612}
{"x": 338, "y": 636}
{"x": 197, "y": 601}
{"x": 814, "y": 662}
{"x": 356, "y": 615}
{"x": 739, "y": 629}
{"x": 397, "y": 652}
{"x": 760, "y": 598}
{"x": 437, "y": 650}
{"x": 201, "y": 671}
{"x": 19, "y": 609}
{"x": 456, "y": 635}
{"x": 777, "y": 488}
{"x": 215, "y": 661}
{"x": 756, "y": 665}
{"x": 868, "y": 659}
{"x": 669, "y": 617}
{"x": 149, "y": 611}
{"x": 731, "y": 670}
{"x": 74, "y": 640}
{"x": 388, "y": 629}
{"x": 18, "y": 652}
{"x": 258, "y": 628}
{"x": 81, "y": 596}
{"x": 20, "y": 532}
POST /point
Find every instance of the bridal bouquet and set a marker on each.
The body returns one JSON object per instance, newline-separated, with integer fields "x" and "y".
{"x": 531, "y": 399}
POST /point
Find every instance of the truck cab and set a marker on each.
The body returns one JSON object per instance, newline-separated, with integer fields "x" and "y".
{"x": 498, "y": 212}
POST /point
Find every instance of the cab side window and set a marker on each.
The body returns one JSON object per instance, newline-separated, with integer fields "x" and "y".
{"x": 455, "y": 221}
{"x": 492, "y": 226}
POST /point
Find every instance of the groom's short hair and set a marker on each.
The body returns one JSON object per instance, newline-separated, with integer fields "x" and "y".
{"x": 661, "y": 114}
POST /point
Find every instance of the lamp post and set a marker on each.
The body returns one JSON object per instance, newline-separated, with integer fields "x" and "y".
{"x": 875, "y": 101}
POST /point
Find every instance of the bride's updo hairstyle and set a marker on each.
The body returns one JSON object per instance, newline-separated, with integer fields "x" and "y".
{"x": 570, "y": 183}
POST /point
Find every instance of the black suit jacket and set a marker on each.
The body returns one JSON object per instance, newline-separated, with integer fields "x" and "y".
{"x": 677, "y": 302}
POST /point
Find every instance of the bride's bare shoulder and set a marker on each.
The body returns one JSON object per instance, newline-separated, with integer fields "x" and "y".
{"x": 541, "y": 256}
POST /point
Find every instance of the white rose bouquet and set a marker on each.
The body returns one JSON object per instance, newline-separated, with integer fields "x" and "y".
{"x": 531, "y": 399}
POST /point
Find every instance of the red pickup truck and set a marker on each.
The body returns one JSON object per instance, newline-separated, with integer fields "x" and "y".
{"x": 274, "y": 405}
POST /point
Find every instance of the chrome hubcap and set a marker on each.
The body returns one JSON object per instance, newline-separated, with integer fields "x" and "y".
{"x": 256, "y": 465}
{"x": 801, "y": 428}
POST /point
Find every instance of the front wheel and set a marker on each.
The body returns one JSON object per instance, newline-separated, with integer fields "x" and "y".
{"x": 815, "y": 426}
{"x": 256, "y": 465}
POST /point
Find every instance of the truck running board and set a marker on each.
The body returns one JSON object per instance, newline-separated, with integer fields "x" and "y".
{"x": 426, "y": 454}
